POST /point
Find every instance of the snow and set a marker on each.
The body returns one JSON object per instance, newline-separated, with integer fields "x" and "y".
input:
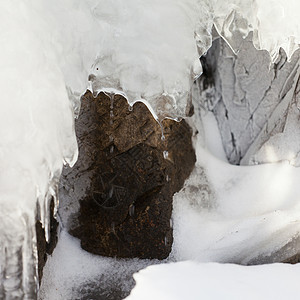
{"x": 236, "y": 214}
{"x": 79, "y": 274}
{"x": 252, "y": 211}
{"x": 212, "y": 138}
{"x": 225, "y": 214}
{"x": 120, "y": 46}
{"x": 211, "y": 281}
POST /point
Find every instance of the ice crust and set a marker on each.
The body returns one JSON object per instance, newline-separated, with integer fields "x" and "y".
{"x": 150, "y": 51}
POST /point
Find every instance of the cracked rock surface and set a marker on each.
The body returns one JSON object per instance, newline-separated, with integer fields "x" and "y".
{"x": 125, "y": 178}
{"x": 250, "y": 97}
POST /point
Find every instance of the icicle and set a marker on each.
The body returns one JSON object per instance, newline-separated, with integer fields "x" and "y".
{"x": 18, "y": 261}
{"x": 112, "y": 96}
{"x": 162, "y": 131}
{"x": 131, "y": 210}
{"x": 165, "y": 154}
{"x": 2, "y": 269}
{"x": 30, "y": 260}
{"x": 166, "y": 241}
{"x": 47, "y": 215}
{"x": 111, "y": 150}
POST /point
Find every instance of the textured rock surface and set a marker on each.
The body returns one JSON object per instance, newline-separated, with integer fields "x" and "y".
{"x": 125, "y": 178}
{"x": 249, "y": 96}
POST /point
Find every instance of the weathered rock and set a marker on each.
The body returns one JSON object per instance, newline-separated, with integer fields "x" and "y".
{"x": 127, "y": 174}
{"x": 249, "y": 96}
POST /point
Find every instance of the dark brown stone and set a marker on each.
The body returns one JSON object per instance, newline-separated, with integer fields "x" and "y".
{"x": 134, "y": 173}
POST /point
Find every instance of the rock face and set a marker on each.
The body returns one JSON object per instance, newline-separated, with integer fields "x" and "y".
{"x": 250, "y": 97}
{"x": 125, "y": 178}
{"x": 256, "y": 105}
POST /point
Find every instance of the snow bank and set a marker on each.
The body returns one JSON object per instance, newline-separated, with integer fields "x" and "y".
{"x": 237, "y": 214}
{"x": 72, "y": 273}
{"x": 191, "y": 280}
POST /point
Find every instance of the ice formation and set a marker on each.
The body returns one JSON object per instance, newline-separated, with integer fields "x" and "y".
{"x": 37, "y": 136}
{"x": 147, "y": 51}
{"x": 191, "y": 280}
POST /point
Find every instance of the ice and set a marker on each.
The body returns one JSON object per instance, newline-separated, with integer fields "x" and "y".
{"x": 37, "y": 137}
{"x": 274, "y": 24}
{"x": 144, "y": 69}
{"x": 120, "y": 47}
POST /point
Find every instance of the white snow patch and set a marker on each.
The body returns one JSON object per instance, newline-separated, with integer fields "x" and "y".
{"x": 72, "y": 273}
{"x": 193, "y": 281}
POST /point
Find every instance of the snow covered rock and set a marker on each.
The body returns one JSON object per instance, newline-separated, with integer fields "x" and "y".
{"x": 241, "y": 214}
{"x": 250, "y": 97}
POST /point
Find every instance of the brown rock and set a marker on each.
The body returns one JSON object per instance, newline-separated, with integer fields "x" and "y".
{"x": 133, "y": 174}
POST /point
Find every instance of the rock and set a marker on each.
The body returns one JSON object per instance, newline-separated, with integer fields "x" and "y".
{"x": 249, "y": 96}
{"x": 125, "y": 178}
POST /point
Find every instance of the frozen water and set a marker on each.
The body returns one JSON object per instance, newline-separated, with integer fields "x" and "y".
{"x": 120, "y": 48}
{"x": 37, "y": 137}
